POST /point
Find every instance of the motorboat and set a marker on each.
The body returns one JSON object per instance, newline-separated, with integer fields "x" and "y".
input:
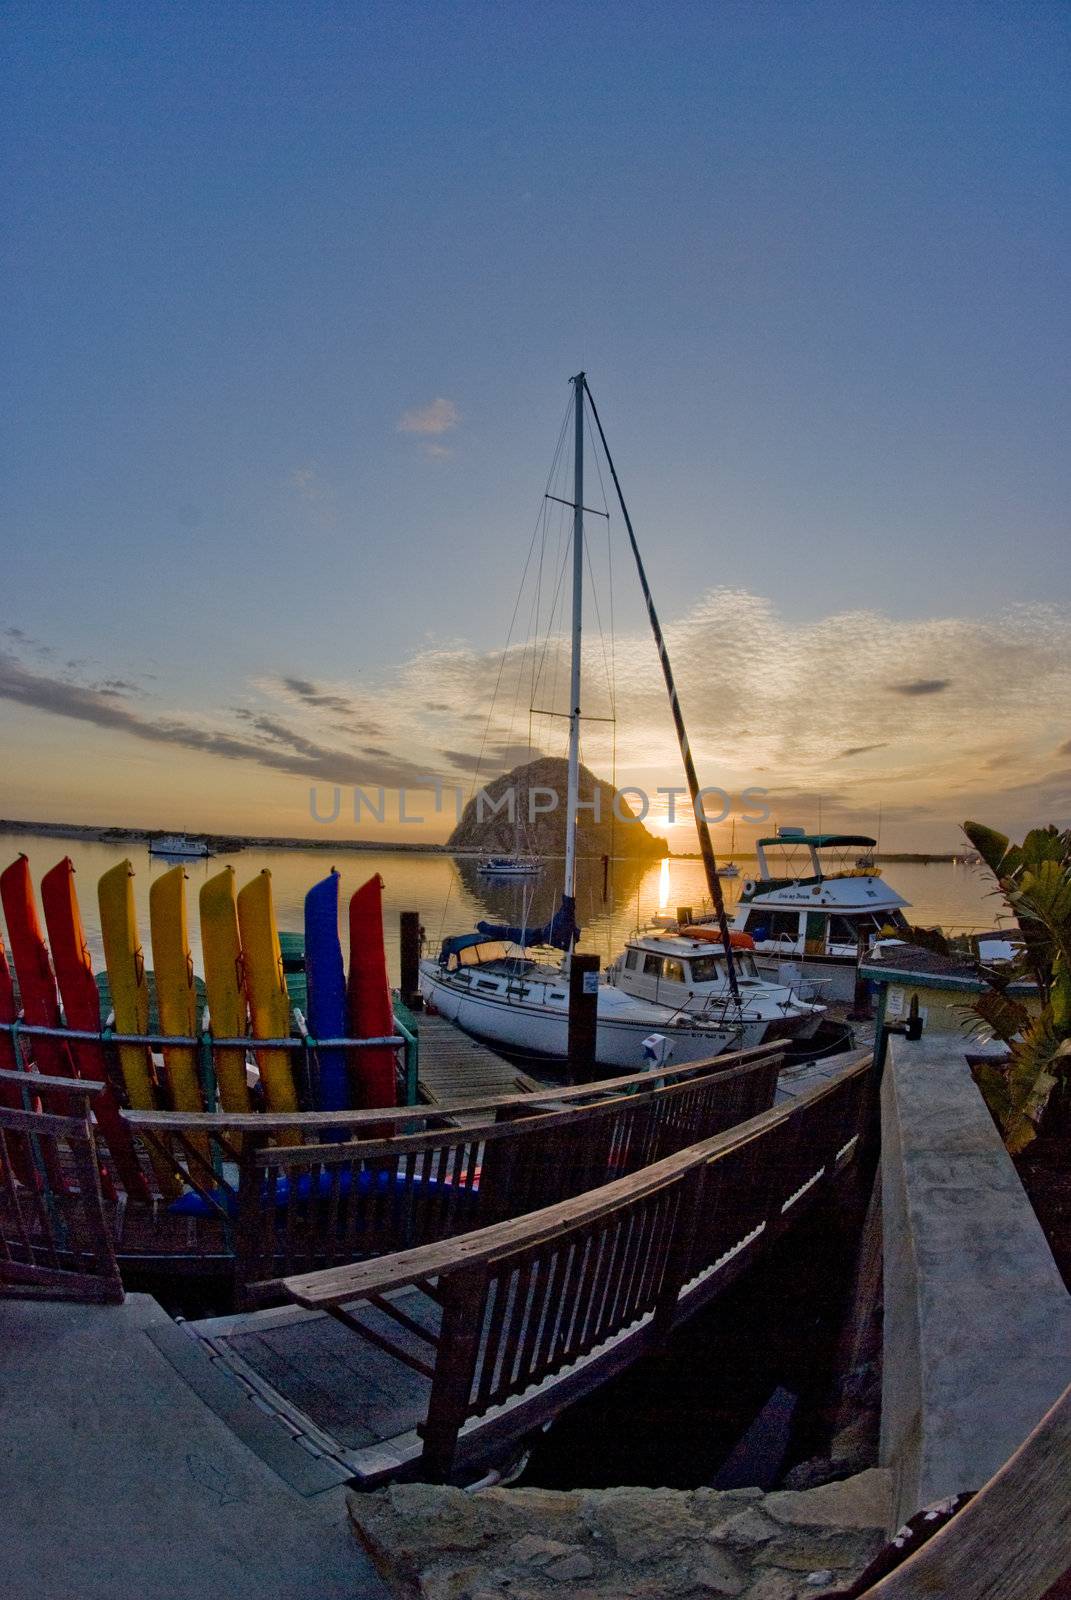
{"x": 178, "y": 845}
{"x": 809, "y": 915}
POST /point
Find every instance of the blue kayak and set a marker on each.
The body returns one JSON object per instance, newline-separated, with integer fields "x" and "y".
{"x": 326, "y": 975}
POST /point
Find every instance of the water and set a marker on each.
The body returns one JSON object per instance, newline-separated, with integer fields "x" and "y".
{"x": 451, "y": 895}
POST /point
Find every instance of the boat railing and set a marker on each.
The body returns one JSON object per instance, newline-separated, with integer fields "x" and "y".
{"x": 530, "y": 1313}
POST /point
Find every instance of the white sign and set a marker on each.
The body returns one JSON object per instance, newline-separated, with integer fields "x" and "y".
{"x": 591, "y": 982}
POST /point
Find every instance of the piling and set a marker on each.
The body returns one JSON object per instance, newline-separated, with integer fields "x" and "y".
{"x": 411, "y": 939}
{"x": 583, "y": 1016}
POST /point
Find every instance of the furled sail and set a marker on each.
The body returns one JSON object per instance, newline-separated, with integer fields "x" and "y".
{"x": 561, "y": 931}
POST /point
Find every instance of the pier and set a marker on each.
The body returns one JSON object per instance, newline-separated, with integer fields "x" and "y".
{"x": 452, "y": 1066}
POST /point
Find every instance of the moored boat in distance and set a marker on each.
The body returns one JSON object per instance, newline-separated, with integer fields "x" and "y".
{"x": 177, "y": 844}
{"x": 510, "y": 867}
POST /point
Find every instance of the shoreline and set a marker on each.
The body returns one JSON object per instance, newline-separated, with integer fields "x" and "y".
{"x": 222, "y": 843}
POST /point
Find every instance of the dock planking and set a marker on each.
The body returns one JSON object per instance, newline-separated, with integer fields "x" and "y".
{"x": 454, "y": 1066}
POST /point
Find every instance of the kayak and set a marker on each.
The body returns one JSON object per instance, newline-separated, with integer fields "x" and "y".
{"x": 176, "y": 997}
{"x": 33, "y": 969}
{"x": 81, "y": 1006}
{"x": 10, "y": 1093}
{"x": 265, "y": 984}
{"x": 125, "y": 961}
{"x": 222, "y": 951}
{"x": 326, "y": 975}
{"x": 370, "y": 1009}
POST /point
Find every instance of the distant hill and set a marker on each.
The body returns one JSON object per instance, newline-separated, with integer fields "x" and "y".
{"x": 495, "y": 832}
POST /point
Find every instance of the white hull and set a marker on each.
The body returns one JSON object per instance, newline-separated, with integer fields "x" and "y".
{"x": 543, "y": 1030}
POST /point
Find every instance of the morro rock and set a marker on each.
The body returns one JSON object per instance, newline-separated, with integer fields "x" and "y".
{"x": 539, "y": 790}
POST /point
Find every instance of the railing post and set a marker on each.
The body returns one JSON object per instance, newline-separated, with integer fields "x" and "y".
{"x": 464, "y": 1293}
{"x": 680, "y": 1247}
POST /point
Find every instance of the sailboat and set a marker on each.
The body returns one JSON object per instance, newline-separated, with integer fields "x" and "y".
{"x": 730, "y": 869}
{"x": 510, "y": 984}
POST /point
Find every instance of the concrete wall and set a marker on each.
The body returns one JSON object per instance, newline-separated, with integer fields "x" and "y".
{"x": 977, "y": 1341}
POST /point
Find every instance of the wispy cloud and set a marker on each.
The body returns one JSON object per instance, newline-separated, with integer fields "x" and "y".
{"x": 918, "y": 686}
{"x": 859, "y": 750}
{"x": 784, "y": 711}
{"x": 440, "y": 416}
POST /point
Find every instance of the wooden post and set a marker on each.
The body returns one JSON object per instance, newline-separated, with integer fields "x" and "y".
{"x": 583, "y": 1016}
{"x": 411, "y": 936}
{"x": 861, "y": 1011}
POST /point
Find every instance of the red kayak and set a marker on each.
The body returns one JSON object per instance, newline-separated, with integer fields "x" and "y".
{"x": 37, "y": 989}
{"x": 81, "y": 1005}
{"x": 33, "y": 969}
{"x": 368, "y": 992}
{"x": 10, "y": 1093}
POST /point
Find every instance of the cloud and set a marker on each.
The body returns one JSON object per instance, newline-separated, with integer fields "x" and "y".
{"x": 285, "y": 749}
{"x": 439, "y": 417}
{"x": 921, "y": 686}
{"x": 783, "y": 712}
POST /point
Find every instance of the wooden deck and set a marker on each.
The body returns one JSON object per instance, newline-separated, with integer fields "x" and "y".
{"x": 442, "y": 1358}
{"x": 454, "y": 1066}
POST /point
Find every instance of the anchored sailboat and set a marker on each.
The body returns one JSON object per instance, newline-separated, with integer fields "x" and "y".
{"x": 501, "y": 982}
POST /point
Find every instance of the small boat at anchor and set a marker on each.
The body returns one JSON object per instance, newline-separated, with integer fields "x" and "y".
{"x": 510, "y": 867}
{"x": 178, "y": 845}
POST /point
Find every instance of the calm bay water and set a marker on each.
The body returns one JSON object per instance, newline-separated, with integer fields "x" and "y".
{"x": 451, "y": 895}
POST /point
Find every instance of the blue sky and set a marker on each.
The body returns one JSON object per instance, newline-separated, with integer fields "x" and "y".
{"x": 813, "y": 258}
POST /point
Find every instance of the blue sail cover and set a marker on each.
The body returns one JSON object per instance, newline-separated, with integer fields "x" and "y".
{"x": 561, "y": 931}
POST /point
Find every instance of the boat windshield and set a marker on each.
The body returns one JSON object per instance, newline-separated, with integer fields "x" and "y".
{"x": 708, "y": 969}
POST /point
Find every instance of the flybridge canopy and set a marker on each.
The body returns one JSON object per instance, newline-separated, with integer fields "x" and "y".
{"x": 820, "y": 841}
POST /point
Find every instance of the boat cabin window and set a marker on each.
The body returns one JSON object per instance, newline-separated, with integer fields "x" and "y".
{"x": 706, "y": 970}
{"x": 632, "y": 959}
{"x": 652, "y": 966}
{"x": 673, "y": 971}
{"x": 773, "y": 924}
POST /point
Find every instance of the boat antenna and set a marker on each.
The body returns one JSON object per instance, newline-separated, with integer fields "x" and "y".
{"x": 706, "y": 847}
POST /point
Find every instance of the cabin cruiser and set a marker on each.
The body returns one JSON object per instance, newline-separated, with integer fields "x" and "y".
{"x": 516, "y": 995}
{"x": 177, "y": 844}
{"x": 687, "y": 970}
{"x": 808, "y": 916}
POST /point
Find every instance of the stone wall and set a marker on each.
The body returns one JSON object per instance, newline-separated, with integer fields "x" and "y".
{"x": 432, "y": 1543}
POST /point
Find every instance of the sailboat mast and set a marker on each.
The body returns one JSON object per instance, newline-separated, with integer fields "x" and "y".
{"x": 706, "y": 846}
{"x": 573, "y": 785}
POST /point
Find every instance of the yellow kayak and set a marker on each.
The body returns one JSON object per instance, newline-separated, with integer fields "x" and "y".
{"x": 221, "y": 944}
{"x": 125, "y": 961}
{"x": 269, "y": 1003}
{"x": 175, "y": 993}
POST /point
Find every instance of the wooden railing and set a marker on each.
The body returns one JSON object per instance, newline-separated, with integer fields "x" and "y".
{"x": 54, "y": 1241}
{"x": 535, "y": 1311}
{"x": 306, "y": 1207}
{"x": 1012, "y": 1541}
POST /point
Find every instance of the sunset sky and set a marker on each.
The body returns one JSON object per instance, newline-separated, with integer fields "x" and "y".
{"x": 292, "y": 298}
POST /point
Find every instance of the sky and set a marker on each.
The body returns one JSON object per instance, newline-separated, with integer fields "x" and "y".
{"x": 292, "y": 298}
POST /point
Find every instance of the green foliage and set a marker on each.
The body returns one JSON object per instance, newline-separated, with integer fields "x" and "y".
{"x": 1035, "y": 1081}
